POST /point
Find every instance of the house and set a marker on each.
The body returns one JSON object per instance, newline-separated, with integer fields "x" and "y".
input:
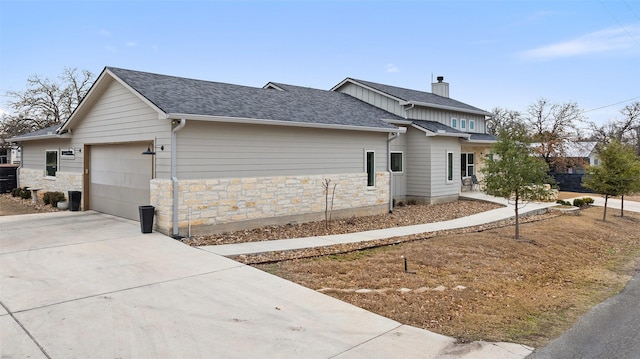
{"x": 215, "y": 157}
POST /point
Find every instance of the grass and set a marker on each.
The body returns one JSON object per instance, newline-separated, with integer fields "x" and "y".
{"x": 526, "y": 291}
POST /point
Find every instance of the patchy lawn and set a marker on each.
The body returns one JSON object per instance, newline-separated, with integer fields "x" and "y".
{"x": 485, "y": 285}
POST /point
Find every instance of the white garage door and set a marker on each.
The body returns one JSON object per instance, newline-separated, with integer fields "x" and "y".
{"x": 120, "y": 176}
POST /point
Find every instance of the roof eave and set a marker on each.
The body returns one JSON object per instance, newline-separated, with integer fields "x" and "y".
{"x": 441, "y": 134}
{"x": 254, "y": 121}
{"x": 37, "y": 137}
{"x": 450, "y": 108}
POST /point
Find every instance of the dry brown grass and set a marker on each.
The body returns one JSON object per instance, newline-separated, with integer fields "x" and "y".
{"x": 519, "y": 291}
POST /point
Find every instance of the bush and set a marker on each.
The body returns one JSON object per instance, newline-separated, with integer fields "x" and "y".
{"x": 21, "y": 192}
{"x": 412, "y": 202}
{"x": 53, "y": 198}
{"x": 588, "y": 201}
{"x": 563, "y": 202}
{"x": 578, "y": 202}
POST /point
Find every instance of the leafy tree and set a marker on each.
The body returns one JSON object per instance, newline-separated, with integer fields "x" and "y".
{"x": 45, "y": 102}
{"x": 553, "y": 127}
{"x": 618, "y": 173}
{"x": 512, "y": 171}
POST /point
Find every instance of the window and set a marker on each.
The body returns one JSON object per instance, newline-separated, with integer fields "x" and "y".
{"x": 463, "y": 124}
{"x": 370, "y": 167}
{"x": 454, "y": 122}
{"x": 396, "y": 161}
{"x": 472, "y": 125}
{"x": 449, "y": 166}
{"x": 467, "y": 165}
{"x": 51, "y": 160}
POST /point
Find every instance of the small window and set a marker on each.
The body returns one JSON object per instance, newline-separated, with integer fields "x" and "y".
{"x": 454, "y": 122}
{"x": 51, "y": 160}
{"x": 449, "y": 166}
{"x": 472, "y": 125}
{"x": 370, "y": 167}
{"x": 463, "y": 124}
{"x": 396, "y": 161}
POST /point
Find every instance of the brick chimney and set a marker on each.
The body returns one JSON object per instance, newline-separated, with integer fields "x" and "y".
{"x": 440, "y": 88}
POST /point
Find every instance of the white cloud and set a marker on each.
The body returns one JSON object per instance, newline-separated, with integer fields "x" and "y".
{"x": 391, "y": 68}
{"x": 608, "y": 40}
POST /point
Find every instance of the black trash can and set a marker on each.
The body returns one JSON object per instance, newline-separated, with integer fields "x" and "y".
{"x": 146, "y": 218}
{"x": 74, "y": 200}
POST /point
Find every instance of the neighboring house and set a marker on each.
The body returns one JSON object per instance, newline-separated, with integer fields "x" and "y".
{"x": 225, "y": 157}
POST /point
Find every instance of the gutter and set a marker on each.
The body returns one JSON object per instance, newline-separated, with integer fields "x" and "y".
{"x": 174, "y": 175}
{"x": 176, "y": 116}
{"x": 393, "y": 137}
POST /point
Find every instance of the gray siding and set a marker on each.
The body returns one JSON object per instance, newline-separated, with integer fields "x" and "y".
{"x": 418, "y": 162}
{"x": 439, "y": 148}
{"x": 119, "y": 116}
{"x": 33, "y": 154}
{"x": 225, "y": 150}
{"x": 400, "y": 179}
{"x": 444, "y": 117}
{"x": 373, "y": 98}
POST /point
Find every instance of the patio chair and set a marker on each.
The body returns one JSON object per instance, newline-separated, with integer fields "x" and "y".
{"x": 475, "y": 183}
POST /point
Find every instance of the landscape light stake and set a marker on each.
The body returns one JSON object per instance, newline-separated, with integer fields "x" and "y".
{"x": 406, "y": 270}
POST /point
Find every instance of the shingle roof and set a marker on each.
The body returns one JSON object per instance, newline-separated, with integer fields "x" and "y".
{"x": 421, "y": 96}
{"x": 437, "y": 127}
{"x": 48, "y": 131}
{"x": 205, "y": 98}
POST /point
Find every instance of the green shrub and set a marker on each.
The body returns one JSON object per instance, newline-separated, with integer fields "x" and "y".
{"x": 53, "y": 198}
{"x": 578, "y": 202}
{"x": 21, "y": 192}
{"x": 588, "y": 201}
{"x": 563, "y": 202}
{"x": 412, "y": 202}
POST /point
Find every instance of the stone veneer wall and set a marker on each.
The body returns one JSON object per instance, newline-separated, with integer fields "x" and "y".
{"x": 62, "y": 182}
{"x": 219, "y": 205}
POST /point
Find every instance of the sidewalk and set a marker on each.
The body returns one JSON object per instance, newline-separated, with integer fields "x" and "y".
{"x": 321, "y": 241}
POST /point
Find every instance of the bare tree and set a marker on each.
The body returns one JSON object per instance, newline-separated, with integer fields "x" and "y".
{"x": 552, "y": 128}
{"x": 504, "y": 119}
{"x": 46, "y": 102}
{"x": 625, "y": 130}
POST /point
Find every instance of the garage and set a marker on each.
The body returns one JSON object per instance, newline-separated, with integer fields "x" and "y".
{"x": 119, "y": 179}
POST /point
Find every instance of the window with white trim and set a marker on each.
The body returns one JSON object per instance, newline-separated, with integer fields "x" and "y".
{"x": 463, "y": 124}
{"x": 454, "y": 122}
{"x": 467, "y": 165}
{"x": 370, "y": 168}
{"x": 396, "y": 162}
{"x": 472, "y": 125}
{"x": 449, "y": 166}
{"x": 51, "y": 163}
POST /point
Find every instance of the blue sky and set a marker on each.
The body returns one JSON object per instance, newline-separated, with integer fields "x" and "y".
{"x": 493, "y": 53}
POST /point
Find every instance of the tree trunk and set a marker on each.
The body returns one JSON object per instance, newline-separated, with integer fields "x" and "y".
{"x": 604, "y": 215}
{"x": 517, "y": 219}
{"x": 622, "y": 206}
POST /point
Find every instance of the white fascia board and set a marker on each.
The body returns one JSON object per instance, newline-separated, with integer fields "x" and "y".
{"x": 399, "y": 122}
{"x": 254, "y": 121}
{"x": 449, "y": 108}
{"x": 480, "y": 141}
{"x": 38, "y": 137}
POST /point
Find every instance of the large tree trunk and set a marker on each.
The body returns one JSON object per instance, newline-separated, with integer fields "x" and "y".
{"x": 604, "y": 215}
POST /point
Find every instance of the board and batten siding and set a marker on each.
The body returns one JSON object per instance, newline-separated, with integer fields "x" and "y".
{"x": 227, "y": 150}
{"x": 444, "y": 117}
{"x": 119, "y": 116}
{"x": 373, "y": 98}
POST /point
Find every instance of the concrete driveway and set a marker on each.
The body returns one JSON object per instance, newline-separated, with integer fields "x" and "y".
{"x": 84, "y": 284}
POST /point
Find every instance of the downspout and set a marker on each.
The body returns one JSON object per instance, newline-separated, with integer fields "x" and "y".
{"x": 174, "y": 174}
{"x": 393, "y": 137}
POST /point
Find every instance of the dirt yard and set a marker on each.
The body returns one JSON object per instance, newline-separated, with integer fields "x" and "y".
{"x": 485, "y": 285}
{"x": 12, "y": 205}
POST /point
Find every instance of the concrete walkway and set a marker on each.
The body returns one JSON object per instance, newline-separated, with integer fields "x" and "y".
{"x": 320, "y": 241}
